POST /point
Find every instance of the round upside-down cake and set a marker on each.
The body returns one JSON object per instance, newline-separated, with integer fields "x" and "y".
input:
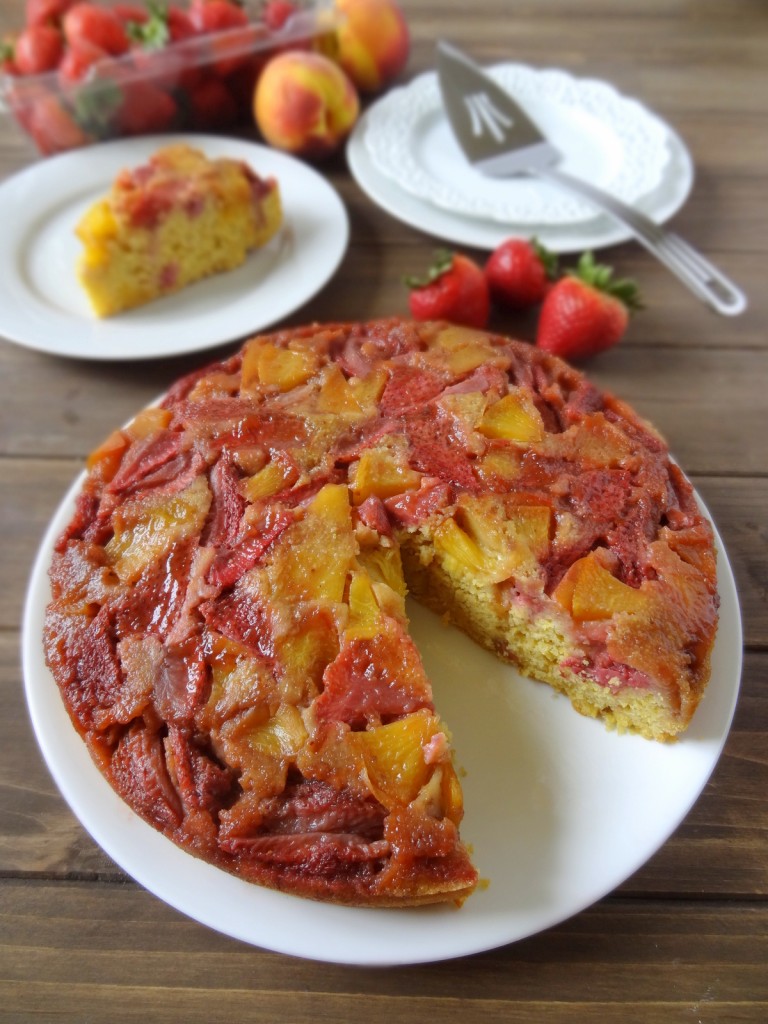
{"x": 228, "y": 629}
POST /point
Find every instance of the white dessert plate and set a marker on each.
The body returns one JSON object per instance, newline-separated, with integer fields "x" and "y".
{"x": 660, "y": 203}
{"x": 611, "y": 140}
{"x": 559, "y": 811}
{"x": 42, "y": 305}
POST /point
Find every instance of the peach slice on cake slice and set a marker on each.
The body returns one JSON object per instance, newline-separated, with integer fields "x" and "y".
{"x": 394, "y": 757}
{"x": 495, "y": 542}
{"x": 278, "y": 474}
{"x": 383, "y": 473}
{"x": 513, "y": 418}
{"x": 365, "y": 618}
{"x": 146, "y": 527}
{"x": 463, "y": 349}
{"x": 267, "y": 364}
{"x": 314, "y": 555}
{"x": 590, "y": 591}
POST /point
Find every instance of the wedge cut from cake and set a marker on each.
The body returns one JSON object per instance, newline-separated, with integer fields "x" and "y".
{"x": 228, "y": 628}
{"x": 176, "y": 219}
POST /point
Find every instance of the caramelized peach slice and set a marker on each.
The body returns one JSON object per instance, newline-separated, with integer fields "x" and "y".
{"x": 262, "y": 750}
{"x": 382, "y": 472}
{"x": 368, "y": 390}
{"x": 333, "y": 755}
{"x": 282, "y": 736}
{"x": 441, "y": 796}
{"x": 365, "y": 618}
{"x": 451, "y": 794}
{"x": 238, "y": 682}
{"x": 463, "y": 349}
{"x": 589, "y": 591}
{"x": 313, "y": 557}
{"x": 518, "y": 535}
{"x": 452, "y": 541}
{"x": 283, "y": 368}
{"x": 594, "y": 440}
{"x": 499, "y": 465}
{"x": 303, "y": 654}
{"x": 530, "y": 526}
{"x": 270, "y": 479}
{"x": 513, "y": 418}
{"x": 336, "y": 393}
{"x": 107, "y": 457}
{"x": 694, "y": 545}
{"x": 147, "y": 422}
{"x": 393, "y": 755}
{"x": 147, "y": 527}
{"x": 385, "y": 569}
{"x": 215, "y": 385}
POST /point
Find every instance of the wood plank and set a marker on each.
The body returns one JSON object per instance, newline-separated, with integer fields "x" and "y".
{"x": 49, "y": 1004}
{"x": 38, "y": 833}
{"x": 730, "y": 815}
{"x": 71, "y": 949}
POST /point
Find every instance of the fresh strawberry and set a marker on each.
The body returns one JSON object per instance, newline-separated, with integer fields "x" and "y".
{"x": 180, "y": 24}
{"x": 146, "y": 109}
{"x": 454, "y": 289}
{"x": 520, "y": 273}
{"x": 230, "y": 33}
{"x": 131, "y": 14}
{"x": 277, "y": 12}
{"x": 97, "y": 25}
{"x": 78, "y": 60}
{"x": 52, "y": 127}
{"x": 586, "y": 311}
{"x": 46, "y": 12}
{"x": 216, "y": 15}
{"x": 38, "y": 49}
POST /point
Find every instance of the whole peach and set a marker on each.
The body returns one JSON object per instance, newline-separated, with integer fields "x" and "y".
{"x": 305, "y": 104}
{"x": 373, "y": 42}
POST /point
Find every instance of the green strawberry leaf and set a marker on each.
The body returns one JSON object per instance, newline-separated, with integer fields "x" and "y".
{"x": 442, "y": 263}
{"x": 548, "y": 259}
{"x": 152, "y": 34}
{"x": 600, "y": 277}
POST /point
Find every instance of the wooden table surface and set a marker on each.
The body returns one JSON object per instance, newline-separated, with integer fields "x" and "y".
{"x": 685, "y": 939}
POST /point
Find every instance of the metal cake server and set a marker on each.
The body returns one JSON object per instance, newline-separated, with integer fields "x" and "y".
{"x": 500, "y": 140}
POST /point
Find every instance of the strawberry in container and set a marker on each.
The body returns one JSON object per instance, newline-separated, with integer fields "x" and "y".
{"x": 83, "y": 71}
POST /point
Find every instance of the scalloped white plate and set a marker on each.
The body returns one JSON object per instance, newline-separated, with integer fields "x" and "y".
{"x": 660, "y": 204}
{"x": 610, "y": 139}
{"x": 43, "y": 307}
{"x": 559, "y": 811}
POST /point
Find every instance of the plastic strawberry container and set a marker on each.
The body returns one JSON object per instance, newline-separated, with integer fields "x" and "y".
{"x": 170, "y": 78}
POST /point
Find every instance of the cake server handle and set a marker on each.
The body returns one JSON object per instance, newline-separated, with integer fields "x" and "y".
{"x": 694, "y": 270}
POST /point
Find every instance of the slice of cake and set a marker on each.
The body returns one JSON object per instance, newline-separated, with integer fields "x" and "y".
{"x": 178, "y": 218}
{"x": 227, "y": 625}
